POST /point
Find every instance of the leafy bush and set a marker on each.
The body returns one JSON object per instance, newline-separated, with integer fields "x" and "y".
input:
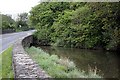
{"x": 82, "y": 25}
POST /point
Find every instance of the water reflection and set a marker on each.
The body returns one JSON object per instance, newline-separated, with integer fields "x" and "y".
{"x": 106, "y": 63}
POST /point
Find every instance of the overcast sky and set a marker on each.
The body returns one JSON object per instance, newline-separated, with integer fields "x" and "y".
{"x": 14, "y": 7}
{"x": 20, "y": 6}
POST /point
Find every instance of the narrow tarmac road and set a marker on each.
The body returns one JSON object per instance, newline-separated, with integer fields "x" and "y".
{"x": 7, "y": 39}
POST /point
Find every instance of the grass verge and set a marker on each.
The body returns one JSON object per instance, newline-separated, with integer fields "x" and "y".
{"x": 56, "y": 67}
{"x": 6, "y": 64}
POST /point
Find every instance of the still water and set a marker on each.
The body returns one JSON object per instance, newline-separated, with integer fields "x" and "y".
{"x": 106, "y": 63}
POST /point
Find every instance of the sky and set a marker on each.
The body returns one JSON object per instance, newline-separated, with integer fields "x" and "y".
{"x": 14, "y": 7}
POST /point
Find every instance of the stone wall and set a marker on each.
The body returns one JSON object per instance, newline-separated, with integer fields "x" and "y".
{"x": 27, "y": 41}
{"x": 7, "y": 31}
{"x": 24, "y": 66}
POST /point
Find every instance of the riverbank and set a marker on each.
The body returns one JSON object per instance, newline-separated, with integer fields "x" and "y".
{"x": 107, "y": 63}
{"x": 58, "y": 67}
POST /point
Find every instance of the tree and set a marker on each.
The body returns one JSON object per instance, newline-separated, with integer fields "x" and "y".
{"x": 82, "y": 25}
{"x": 7, "y": 22}
{"x": 22, "y": 21}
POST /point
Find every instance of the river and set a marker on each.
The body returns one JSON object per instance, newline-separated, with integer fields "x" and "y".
{"x": 106, "y": 63}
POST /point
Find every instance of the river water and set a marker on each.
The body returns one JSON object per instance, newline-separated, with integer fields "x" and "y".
{"x": 106, "y": 63}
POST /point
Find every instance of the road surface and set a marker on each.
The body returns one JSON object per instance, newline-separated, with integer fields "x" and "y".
{"x": 7, "y": 39}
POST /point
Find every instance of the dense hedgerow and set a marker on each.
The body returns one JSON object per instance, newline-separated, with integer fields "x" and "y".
{"x": 77, "y": 24}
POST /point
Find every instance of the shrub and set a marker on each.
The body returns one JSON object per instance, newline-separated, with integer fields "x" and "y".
{"x": 81, "y": 25}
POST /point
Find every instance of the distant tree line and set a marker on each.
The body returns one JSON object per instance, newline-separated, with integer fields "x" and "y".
{"x": 10, "y": 25}
{"x": 7, "y": 22}
{"x": 78, "y": 24}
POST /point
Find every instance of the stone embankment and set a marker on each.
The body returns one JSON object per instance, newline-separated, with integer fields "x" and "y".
{"x": 24, "y": 66}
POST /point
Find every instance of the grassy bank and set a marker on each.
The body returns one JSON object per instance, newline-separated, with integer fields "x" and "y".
{"x": 6, "y": 64}
{"x": 58, "y": 67}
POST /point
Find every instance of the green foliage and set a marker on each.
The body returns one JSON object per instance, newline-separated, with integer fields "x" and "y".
{"x": 107, "y": 23}
{"x": 82, "y": 25}
{"x": 56, "y": 67}
{"x": 7, "y": 22}
{"x": 22, "y": 22}
{"x": 6, "y": 64}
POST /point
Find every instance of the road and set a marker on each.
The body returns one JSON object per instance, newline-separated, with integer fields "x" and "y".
{"x": 7, "y": 39}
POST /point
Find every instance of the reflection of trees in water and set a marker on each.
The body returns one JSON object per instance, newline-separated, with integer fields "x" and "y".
{"x": 97, "y": 61}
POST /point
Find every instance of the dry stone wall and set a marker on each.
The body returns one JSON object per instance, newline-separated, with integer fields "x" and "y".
{"x": 24, "y": 66}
